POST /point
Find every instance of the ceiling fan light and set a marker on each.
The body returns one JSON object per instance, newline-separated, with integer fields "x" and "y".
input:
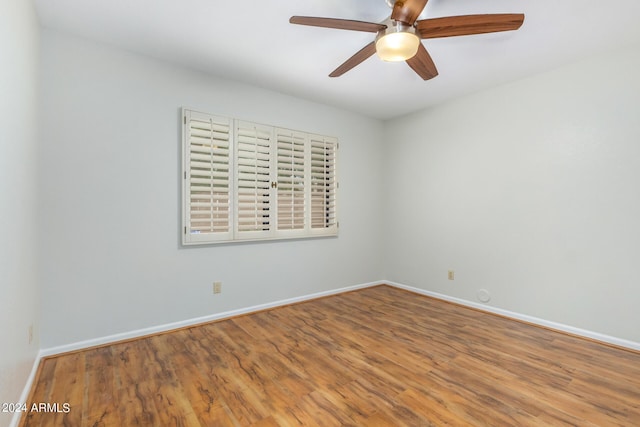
{"x": 397, "y": 46}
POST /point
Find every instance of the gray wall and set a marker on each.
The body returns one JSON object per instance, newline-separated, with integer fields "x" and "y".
{"x": 527, "y": 190}
{"x": 531, "y": 191}
{"x": 110, "y": 191}
{"x": 18, "y": 202}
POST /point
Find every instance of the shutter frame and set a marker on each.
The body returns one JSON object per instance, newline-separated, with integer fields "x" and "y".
{"x": 324, "y": 185}
{"x": 207, "y": 171}
{"x": 292, "y": 190}
{"x": 252, "y": 181}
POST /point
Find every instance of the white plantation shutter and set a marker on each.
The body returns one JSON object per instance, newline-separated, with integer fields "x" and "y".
{"x": 290, "y": 199}
{"x": 246, "y": 181}
{"x": 253, "y": 179}
{"x": 323, "y": 184}
{"x": 207, "y": 177}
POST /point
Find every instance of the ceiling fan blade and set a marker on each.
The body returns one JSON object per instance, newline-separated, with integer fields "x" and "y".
{"x": 422, "y": 64}
{"x": 407, "y": 11}
{"x": 468, "y": 24}
{"x": 341, "y": 24}
{"x": 356, "y": 59}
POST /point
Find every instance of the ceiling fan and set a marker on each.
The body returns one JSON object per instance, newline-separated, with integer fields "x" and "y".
{"x": 398, "y": 36}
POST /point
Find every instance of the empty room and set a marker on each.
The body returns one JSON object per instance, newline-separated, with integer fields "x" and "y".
{"x": 252, "y": 213}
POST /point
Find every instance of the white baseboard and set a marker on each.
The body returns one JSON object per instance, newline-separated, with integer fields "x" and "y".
{"x": 218, "y": 316}
{"x": 195, "y": 321}
{"x": 227, "y": 314}
{"x": 17, "y": 416}
{"x": 525, "y": 318}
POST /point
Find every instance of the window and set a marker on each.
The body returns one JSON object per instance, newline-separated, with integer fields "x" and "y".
{"x": 247, "y": 181}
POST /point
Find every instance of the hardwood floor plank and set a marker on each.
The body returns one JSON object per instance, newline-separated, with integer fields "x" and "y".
{"x": 192, "y": 372}
{"x": 383, "y": 418}
{"x": 136, "y": 406}
{"x": 254, "y": 325}
{"x": 314, "y": 411}
{"x": 135, "y": 392}
{"x": 266, "y": 422}
{"x": 437, "y": 412}
{"x": 73, "y": 385}
{"x": 245, "y": 404}
{"x": 378, "y": 356}
{"x": 361, "y": 398}
{"x": 41, "y": 393}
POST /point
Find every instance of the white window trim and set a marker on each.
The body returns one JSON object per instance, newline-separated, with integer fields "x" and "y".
{"x": 328, "y": 203}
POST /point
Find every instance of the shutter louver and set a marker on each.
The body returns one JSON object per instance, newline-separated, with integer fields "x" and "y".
{"x": 253, "y": 173}
{"x": 323, "y": 183}
{"x": 208, "y": 172}
{"x": 291, "y": 179}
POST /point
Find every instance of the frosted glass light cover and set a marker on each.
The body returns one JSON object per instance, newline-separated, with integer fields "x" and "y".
{"x": 398, "y": 46}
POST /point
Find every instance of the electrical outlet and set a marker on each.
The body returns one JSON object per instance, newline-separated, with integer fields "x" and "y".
{"x": 450, "y": 275}
{"x": 217, "y": 287}
{"x": 30, "y": 333}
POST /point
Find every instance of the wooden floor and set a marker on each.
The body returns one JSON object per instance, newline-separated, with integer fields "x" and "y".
{"x": 379, "y": 356}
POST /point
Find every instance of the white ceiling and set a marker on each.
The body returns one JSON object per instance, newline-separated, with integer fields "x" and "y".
{"x": 252, "y": 41}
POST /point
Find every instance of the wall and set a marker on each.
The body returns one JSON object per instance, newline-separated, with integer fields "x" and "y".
{"x": 529, "y": 191}
{"x": 19, "y": 52}
{"x": 526, "y": 190}
{"x": 110, "y": 183}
